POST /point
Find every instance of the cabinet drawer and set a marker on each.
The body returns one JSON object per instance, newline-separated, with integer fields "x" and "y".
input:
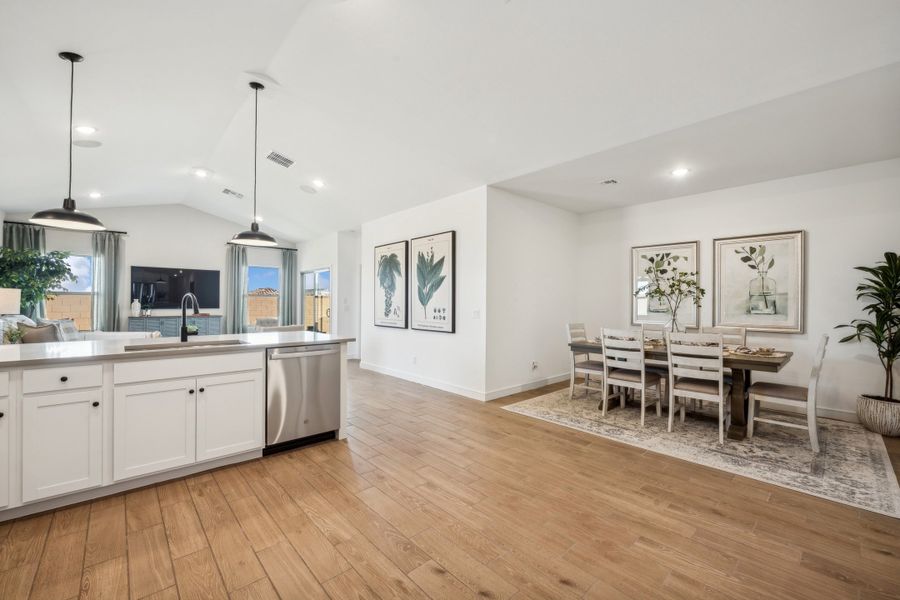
{"x": 4, "y": 384}
{"x": 62, "y": 378}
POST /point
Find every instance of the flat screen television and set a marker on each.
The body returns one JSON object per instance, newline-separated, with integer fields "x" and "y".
{"x": 163, "y": 287}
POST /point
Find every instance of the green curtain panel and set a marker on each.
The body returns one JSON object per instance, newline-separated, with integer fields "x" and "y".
{"x": 235, "y": 289}
{"x": 107, "y": 252}
{"x": 21, "y": 236}
{"x": 287, "y": 310}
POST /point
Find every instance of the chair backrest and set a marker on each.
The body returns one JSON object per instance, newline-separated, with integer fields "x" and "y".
{"x": 576, "y": 332}
{"x": 818, "y": 359}
{"x": 653, "y": 331}
{"x": 696, "y": 355}
{"x": 623, "y": 349}
{"x": 733, "y": 336}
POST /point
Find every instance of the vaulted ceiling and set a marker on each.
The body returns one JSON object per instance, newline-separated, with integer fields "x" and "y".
{"x": 391, "y": 103}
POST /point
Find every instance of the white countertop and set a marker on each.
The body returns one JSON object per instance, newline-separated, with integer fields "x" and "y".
{"x": 21, "y": 355}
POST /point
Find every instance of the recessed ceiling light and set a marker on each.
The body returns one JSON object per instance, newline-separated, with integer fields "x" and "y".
{"x": 318, "y": 183}
{"x": 680, "y": 172}
{"x": 308, "y": 189}
{"x": 95, "y": 195}
{"x": 201, "y": 172}
{"x": 87, "y": 143}
{"x": 86, "y": 129}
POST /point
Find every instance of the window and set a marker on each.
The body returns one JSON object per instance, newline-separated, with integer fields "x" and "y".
{"x": 263, "y": 291}
{"x": 73, "y": 299}
{"x": 317, "y": 300}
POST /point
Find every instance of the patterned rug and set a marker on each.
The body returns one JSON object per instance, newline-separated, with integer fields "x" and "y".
{"x": 852, "y": 468}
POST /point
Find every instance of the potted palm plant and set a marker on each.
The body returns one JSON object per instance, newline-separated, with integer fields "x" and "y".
{"x": 35, "y": 273}
{"x": 881, "y": 291}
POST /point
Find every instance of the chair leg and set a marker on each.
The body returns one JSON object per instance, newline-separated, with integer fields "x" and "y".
{"x": 605, "y": 398}
{"x": 683, "y": 404}
{"x": 752, "y": 410}
{"x": 671, "y": 412}
{"x": 722, "y": 422}
{"x": 572, "y": 385}
{"x": 643, "y": 405}
{"x": 659, "y": 396}
{"x": 813, "y": 428}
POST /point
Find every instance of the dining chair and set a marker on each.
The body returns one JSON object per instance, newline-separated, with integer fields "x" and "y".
{"x": 696, "y": 372}
{"x": 582, "y": 364}
{"x": 623, "y": 366}
{"x": 731, "y": 336}
{"x": 655, "y": 333}
{"x": 793, "y": 396}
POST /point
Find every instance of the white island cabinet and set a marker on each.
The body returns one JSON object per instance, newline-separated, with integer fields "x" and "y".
{"x": 229, "y": 414}
{"x": 5, "y": 450}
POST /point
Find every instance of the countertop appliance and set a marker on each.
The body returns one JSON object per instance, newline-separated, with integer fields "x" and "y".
{"x": 303, "y": 395}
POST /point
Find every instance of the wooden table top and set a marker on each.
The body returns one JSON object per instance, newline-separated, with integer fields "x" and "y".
{"x": 747, "y": 362}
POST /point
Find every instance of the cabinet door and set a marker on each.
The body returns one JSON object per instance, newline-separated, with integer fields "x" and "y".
{"x": 229, "y": 414}
{"x": 154, "y": 427}
{"x": 61, "y": 443}
{"x": 4, "y": 451}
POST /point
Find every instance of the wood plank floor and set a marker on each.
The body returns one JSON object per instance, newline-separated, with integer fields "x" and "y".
{"x": 436, "y": 496}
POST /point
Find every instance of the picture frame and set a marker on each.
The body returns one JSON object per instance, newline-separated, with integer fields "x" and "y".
{"x": 648, "y": 310}
{"x": 433, "y": 277}
{"x": 391, "y": 285}
{"x": 759, "y": 282}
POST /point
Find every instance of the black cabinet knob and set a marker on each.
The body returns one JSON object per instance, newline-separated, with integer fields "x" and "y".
{"x": 95, "y": 404}
{"x": 190, "y": 391}
{"x": 1, "y": 415}
{"x": 64, "y": 379}
{"x": 202, "y": 389}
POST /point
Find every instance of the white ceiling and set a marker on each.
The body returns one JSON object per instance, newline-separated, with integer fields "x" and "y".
{"x": 392, "y": 102}
{"x": 851, "y": 121}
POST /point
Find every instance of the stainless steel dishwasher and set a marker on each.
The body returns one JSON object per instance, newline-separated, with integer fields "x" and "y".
{"x": 303, "y": 395}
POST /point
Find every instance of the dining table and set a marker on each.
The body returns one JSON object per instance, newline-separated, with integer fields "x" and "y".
{"x": 741, "y": 365}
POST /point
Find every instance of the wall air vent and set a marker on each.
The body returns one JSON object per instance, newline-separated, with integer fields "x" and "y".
{"x": 280, "y": 159}
{"x": 229, "y": 192}
{"x": 608, "y": 182}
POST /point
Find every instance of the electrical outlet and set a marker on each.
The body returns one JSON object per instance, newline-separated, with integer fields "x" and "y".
{"x": 534, "y": 365}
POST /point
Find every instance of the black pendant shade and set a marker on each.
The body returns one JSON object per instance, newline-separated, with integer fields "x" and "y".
{"x": 254, "y": 237}
{"x": 68, "y": 217}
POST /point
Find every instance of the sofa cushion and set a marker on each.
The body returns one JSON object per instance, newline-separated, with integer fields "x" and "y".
{"x": 40, "y": 334}
{"x": 68, "y": 331}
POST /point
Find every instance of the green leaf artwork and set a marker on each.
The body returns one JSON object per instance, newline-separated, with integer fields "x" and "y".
{"x": 388, "y": 271}
{"x": 428, "y": 277}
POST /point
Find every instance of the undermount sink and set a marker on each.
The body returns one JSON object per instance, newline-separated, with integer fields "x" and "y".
{"x": 183, "y": 345}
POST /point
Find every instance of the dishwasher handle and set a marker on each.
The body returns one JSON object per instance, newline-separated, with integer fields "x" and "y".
{"x": 306, "y": 354}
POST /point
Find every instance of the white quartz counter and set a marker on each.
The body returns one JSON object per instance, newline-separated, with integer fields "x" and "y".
{"x": 21, "y": 355}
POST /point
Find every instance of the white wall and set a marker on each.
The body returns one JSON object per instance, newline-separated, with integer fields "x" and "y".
{"x": 851, "y": 216}
{"x": 452, "y": 362}
{"x": 348, "y": 281}
{"x": 530, "y": 292}
{"x": 169, "y": 235}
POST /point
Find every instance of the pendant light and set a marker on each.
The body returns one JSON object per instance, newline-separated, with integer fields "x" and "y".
{"x": 68, "y": 217}
{"x": 254, "y": 237}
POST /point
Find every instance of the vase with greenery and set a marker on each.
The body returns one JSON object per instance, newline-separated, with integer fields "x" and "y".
{"x": 666, "y": 283}
{"x": 35, "y": 273}
{"x": 762, "y": 287}
{"x": 388, "y": 271}
{"x": 880, "y": 290}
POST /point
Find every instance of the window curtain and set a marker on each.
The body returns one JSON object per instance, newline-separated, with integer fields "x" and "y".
{"x": 287, "y": 309}
{"x": 235, "y": 289}
{"x": 106, "y": 248}
{"x": 21, "y": 236}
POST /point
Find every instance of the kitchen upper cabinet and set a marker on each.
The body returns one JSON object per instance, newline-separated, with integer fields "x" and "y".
{"x": 61, "y": 443}
{"x": 229, "y": 414}
{"x": 4, "y": 451}
{"x": 154, "y": 427}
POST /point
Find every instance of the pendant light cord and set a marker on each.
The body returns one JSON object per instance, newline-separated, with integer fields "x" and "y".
{"x": 71, "y": 104}
{"x": 255, "y": 143}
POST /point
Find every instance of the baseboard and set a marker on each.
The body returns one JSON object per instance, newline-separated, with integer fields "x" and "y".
{"x": 428, "y": 381}
{"x": 524, "y": 387}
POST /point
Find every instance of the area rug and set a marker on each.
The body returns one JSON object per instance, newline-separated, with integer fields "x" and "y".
{"x": 852, "y": 468}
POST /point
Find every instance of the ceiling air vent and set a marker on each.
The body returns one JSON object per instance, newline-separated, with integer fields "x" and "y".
{"x": 229, "y": 192}
{"x": 280, "y": 159}
{"x": 609, "y": 182}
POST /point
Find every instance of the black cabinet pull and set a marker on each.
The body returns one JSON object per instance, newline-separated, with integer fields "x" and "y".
{"x": 190, "y": 391}
{"x": 202, "y": 389}
{"x": 95, "y": 404}
{"x": 1, "y": 415}
{"x": 64, "y": 379}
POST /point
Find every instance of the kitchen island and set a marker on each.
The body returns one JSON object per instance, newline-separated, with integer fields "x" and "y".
{"x": 80, "y": 420}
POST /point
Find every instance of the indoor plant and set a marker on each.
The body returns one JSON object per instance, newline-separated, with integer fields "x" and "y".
{"x": 667, "y": 283}
{"x": 34, "y": 273}
{"x": 881, "y": 291}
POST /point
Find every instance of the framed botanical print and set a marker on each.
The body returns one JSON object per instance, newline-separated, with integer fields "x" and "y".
{"x": 392, "y": 285}
{"x": 433, "y": 298}
{"x": 759, "y": 282}
{"x": 663, "y": 260}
